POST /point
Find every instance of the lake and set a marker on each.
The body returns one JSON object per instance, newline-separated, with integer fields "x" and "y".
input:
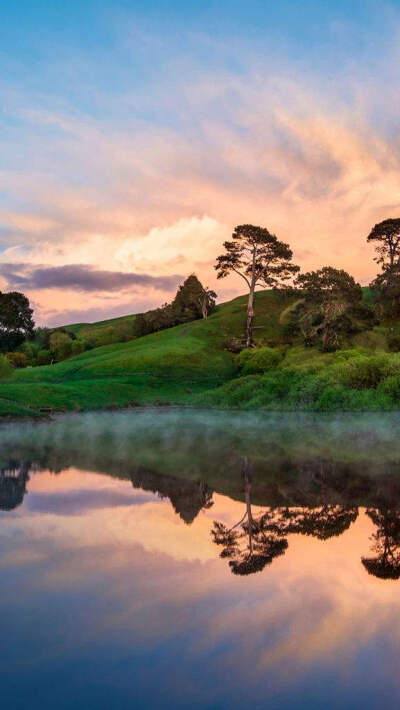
{"x": 183, "y": 559}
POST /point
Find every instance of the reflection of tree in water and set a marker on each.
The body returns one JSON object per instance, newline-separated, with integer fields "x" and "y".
{"x": 253, "y": 542}
{"x": 187, "y": 497}
{"x": 13, "y": 480}
{"x": 323, "y": 522}
{"x": 386, "y": 543}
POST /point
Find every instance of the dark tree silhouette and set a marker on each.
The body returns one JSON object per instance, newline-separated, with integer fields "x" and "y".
{"x": 193, "y": 300}
{"x": 252, "y": 543}
{"x": 13, "y": 480}
{"x": 387, "y": 286}
{"x": 386, "y": 237}
{"x": 323, "y": 522}
{"x": 16, "y": 321}
{"x": 385, "y": 543}
{"x": 260, "y": 259}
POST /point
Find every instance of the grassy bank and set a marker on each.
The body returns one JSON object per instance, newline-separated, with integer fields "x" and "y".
{"x": 191, "y": 365}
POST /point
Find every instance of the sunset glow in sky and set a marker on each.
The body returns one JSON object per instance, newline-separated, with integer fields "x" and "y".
{"x": 136, "y": 135}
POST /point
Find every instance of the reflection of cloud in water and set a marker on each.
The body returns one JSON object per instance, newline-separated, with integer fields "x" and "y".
{"x": 131, "y": 576}
{"x": 78, "y": 502}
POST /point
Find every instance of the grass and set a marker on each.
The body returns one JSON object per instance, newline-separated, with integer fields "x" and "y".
{"x": 189, "y": 364}
{"x": 169, "y": 367}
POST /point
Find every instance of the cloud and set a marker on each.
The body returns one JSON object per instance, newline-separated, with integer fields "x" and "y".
{"x": 80, "y": 277}
{"x": 141, "y": 191}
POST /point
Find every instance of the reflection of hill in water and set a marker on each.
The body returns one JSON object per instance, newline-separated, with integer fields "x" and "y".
{"x": 187, "y": 497}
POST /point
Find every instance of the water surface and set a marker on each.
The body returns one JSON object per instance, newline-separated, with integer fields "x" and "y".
{"x": 193, "y": 560}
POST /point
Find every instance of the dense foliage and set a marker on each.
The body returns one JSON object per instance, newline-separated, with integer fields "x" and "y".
{"x": 16, "y": 323}
{"x": 192, "y": 301}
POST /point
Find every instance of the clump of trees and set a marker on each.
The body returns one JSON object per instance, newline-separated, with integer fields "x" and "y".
{"x": 192, "y": 301}
{"x": 330, "y": 309}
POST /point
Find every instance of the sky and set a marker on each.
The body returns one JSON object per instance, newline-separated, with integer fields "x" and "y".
{"x": 134, "y": 137}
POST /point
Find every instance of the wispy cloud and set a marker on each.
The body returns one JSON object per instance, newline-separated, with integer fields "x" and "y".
{"x": 154, "y": 181}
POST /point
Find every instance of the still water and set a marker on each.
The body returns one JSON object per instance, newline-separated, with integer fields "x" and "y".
{"x": 192, "y": 560}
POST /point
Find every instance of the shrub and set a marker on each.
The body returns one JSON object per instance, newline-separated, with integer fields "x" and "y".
{"x": 60, "y": 345}
{"x": 258, "y": 360}
{"x": 363, "y": 372}
{"x": 43, "y": 357}
{"x": 78, "y": 346}
{"x": 17, "y": 359}
{"x": 390, "y": 386}
{"x": 5, "y": 367}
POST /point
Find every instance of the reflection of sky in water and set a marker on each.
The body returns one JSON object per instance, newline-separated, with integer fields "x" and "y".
{"x": 110, "y": 600}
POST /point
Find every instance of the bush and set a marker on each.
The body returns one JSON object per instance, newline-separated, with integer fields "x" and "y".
{"x": 259, "y": 360}
{"x": 60, "y": 345}
{"x": 43, "y": 357}
{"x": 17, "y": 359}
{"x": 78, "y": 346}
{"x": 5, "y": 367}
{"x": 390, "y": 386}
{"x": 363, "y": 372}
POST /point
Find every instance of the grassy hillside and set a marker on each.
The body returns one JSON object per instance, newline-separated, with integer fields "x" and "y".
{"x": 171, "y": 366}
{"x": 190, "y": 364}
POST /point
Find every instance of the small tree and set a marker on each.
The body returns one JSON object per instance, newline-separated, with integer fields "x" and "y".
{"x": 260, "y": 259}
{"x": 193, "y": 300}
{"x": 386, "y": 236}
{"x": 60, "y": 345}
{"x": 16, "y": 321}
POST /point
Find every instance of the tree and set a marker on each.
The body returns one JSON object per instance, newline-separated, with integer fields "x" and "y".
{"x": 16, "y": 321}
{"x": 252, "y": 543}
{"x": 387, "y": 286}
{"x": 331, "y": 307}
{"x": 386, "y": 236}
{"x": 60, "y": 345}
{"x": 193, "y": 300}
{"x": 260, "y": 259}
{"x": 386, "y": 544}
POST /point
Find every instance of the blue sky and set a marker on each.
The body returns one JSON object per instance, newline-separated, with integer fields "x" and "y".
{"x": 134, "y": 136}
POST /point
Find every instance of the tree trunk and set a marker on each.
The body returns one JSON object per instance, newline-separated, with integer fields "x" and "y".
{"x": 250, "y": 304}
{"x": 247, "y": 490}
{"x": 249, "y": 321}
{"x": 204, "y": 309}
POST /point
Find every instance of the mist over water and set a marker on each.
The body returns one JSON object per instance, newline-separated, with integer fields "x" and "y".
{"x": 180, "y": 558}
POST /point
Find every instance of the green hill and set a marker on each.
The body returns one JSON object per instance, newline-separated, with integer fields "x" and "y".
{"x": 170, "y": 366}
{"x": 187, "y": 364}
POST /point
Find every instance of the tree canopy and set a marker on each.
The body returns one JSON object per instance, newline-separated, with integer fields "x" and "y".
{"x": 386, "y": 237}
{"x": 16, "y": 322}
{"x": 328, "y": 283}
{"x": 331, "y": 307}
